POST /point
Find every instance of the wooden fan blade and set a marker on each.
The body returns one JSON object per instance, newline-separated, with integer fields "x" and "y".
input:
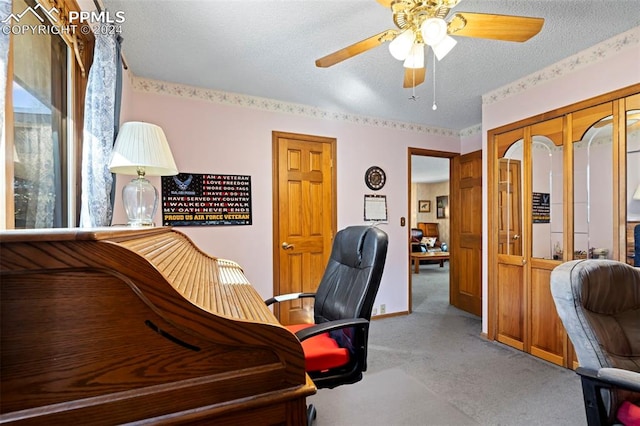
{"x": 355, "y": 49}
{"x": 413, "y": 77}
{"x": 496, "y": 27}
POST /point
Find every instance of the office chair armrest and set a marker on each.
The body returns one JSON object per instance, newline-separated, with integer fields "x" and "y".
{"x": 613, "y": 377}
{"x": 331, "y": 325}
{"x": 289, "y": 296}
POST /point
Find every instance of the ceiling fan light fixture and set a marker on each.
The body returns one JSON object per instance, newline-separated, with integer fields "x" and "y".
{"x": 416, "y": 57}
{"x": 400, "y": 47}
{"x": 444, "y": 47}
{"x": 433, "y": 30}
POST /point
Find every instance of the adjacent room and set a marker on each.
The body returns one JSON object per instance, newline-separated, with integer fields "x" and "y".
{"x": 429, "y": 219}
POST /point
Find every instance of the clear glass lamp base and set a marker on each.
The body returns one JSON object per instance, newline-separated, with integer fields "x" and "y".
{"x": 140, "y": 200}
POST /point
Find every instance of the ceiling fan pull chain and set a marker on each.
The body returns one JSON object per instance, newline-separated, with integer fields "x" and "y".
{"x": 434, "y": 107}
{"x": 413, "y": 96}
{"x": 413, "y": 89}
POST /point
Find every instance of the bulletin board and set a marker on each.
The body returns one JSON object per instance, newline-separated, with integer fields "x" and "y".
{"x": 375, "y": 208}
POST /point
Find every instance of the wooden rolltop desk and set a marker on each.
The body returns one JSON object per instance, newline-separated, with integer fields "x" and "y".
{"x": 121, "y": 325}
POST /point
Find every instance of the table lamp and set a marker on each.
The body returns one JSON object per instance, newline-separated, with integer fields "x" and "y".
{"x": 141, "y": 149}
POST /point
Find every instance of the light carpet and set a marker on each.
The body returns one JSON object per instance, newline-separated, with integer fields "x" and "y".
{"x": 376, "y": 399}
{"x": 432, "y": 367}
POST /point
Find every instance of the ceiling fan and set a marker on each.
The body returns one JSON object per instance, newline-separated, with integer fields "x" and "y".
{"x": 422, "y": 22}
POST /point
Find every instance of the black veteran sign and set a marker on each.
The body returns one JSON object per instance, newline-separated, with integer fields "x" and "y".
{"x": 190, "y": 199}
{"x": 541, "y": 207}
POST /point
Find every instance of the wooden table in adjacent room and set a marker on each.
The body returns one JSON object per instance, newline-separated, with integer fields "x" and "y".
{"x": 417, "y": 257}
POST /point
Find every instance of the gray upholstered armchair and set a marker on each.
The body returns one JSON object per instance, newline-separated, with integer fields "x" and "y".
{"x": 598, "y": 302}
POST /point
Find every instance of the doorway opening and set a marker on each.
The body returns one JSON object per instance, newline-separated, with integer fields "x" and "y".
{"x": 429, "y": 225}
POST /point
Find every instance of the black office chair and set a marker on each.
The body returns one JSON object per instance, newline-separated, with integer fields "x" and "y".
{"x": 598, "y": 302}
{"x": 335, "y": 346}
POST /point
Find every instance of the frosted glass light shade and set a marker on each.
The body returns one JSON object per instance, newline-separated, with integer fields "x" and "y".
{"x": 441, "y": 49}
{"x": 416, "y": 57}
{"x": 401, "y": 46}
{"x": 434, "y": 30}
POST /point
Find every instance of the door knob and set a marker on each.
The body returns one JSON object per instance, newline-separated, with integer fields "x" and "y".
{"x": 287, "y": 246}
{"x": 516, "y": 237}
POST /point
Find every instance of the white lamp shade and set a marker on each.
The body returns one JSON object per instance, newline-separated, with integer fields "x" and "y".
{"x": 441, "y": 49}
{"x": 434, "y": 30}
{"x": 636, "y": 195}
{"x": 401, "y": 46}
{"x": 142, "y": 146}
{"x": 416, "y": 57}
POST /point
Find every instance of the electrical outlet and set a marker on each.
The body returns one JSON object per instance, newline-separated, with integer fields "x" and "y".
{"x": 374, "y": 311}
{"x": 383, "y": 309}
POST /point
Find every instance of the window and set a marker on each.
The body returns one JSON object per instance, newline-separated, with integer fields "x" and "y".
{"x": 39, "y": 128}
{"x": 42, "y": 135}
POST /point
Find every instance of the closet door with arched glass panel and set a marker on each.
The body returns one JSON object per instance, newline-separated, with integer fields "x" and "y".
{"x": 547, "y": 338}
{"x": 511, "y": 294}
{"x": 594, "y": 204}
{"x": 562, "y": 188}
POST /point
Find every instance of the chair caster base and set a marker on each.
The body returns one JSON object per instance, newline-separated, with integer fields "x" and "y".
{"x": 311, "y": 414}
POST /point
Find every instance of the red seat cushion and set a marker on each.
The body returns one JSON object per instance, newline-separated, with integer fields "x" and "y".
{"x": 321, "y": 352}
{"x": 629, "y": 414}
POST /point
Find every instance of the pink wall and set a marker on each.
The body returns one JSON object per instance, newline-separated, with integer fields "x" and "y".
{"x": 471, "y": 143}
{"x": 213, "y": 137}
{"x": 210, "y": 137}
{"x": 616, "y": 72}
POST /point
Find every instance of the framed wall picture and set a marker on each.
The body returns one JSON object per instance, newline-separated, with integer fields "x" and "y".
{"x": 375, "y": 208}
{"x": 442, "y": 206}
{"x": 424, "y": 206}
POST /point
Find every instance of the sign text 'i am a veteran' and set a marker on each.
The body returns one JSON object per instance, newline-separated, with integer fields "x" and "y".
{"x": 191, "y": 199}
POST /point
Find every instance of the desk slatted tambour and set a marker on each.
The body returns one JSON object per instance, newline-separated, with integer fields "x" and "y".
{"x": 120, "y": 325}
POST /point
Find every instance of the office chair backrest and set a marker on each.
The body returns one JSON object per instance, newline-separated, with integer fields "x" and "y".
{"x": 351, "y": 279}
{"x": 597, "y": 301}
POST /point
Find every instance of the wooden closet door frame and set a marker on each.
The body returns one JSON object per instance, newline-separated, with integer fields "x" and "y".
{"x": 618, "y": 97}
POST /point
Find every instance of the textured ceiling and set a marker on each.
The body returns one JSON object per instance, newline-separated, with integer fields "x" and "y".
{"x": 268, "y": 48}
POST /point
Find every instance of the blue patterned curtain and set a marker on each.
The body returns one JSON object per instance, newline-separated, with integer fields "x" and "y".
{"x": 101, "y": 119}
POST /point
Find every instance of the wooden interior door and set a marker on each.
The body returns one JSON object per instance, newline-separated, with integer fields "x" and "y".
{"x": 465, "y": 289}
{"x": 304, "y": 218}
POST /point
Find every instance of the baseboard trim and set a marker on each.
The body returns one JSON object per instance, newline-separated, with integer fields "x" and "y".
{"x": 393, "y": 314}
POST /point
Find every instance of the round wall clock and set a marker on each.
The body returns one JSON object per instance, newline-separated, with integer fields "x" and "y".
{"x": 375, "y": 178}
